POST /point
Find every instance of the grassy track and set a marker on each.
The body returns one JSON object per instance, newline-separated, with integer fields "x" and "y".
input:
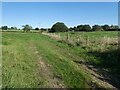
{"x": 35, "y": 60}
{"x": 20, "y": 64}
{"x": 100, "y": 54}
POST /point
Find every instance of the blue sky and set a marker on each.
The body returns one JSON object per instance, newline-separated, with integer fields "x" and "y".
{"x": 45, "y": 14}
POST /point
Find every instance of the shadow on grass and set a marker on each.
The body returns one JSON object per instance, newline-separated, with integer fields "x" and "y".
{"x": 108, "y": 60}
{"x": 108, "y": 66}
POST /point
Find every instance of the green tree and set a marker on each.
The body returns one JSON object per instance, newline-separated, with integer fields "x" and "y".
{"x": 12, "y": 28}
{"x": 106, "y": 27}
{"x": 86, "y": 28}
{"x": 43, "y": 29}
{"x": 97, "y": 28}
{"x": 4, "y": 27}
{"x": 27, "y": 28}
{"x": 80, "y": 27}
{"x": 115, "y": 27}
{"x": 59, "y": 27}
{"x": 75, "y": 28}
{"x": 71, "y": 29}
{"x": 36, "y": 28}
{"x": 15, "y": 28}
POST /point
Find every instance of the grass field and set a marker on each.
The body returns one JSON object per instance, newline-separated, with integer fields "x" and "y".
{"x": 34, "y": 60}
{"x": 100, "y": 48}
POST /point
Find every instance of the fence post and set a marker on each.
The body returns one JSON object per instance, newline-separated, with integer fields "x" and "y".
{"x": 86, "y": 40}
{"x": 59, "y": 35}
{"x": 68, "y": 36}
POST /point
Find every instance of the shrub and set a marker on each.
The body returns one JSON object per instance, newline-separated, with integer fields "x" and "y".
{"x": 59, "y": 27}
{"x": 4, "y": 27}
{"x": 97, "y": 28}
{"x": 26, "y": 28}
{"x": 37, "y": 28}
{"x": 86, "y": 28}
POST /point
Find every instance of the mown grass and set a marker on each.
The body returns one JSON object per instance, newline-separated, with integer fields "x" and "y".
{"x": 20, "y": 64}
{"x": 20, "y": 67}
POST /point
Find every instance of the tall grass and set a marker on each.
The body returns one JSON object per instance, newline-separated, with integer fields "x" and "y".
{"x": 99, "y": 48}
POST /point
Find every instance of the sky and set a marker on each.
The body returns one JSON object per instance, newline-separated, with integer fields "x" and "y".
{"x": 45, "y": 14}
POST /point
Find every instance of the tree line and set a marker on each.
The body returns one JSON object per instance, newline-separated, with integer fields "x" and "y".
{"x": 61, "y": 27}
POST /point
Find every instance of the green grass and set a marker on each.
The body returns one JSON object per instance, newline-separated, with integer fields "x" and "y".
{"x": 20, "y": 63}
{"x": 97, "y": 34}
{"x": 104, "y": 56}
{"x": 20, "y": 67}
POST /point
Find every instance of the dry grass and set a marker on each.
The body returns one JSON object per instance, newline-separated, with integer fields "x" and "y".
{"x": 92, "y": 42}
